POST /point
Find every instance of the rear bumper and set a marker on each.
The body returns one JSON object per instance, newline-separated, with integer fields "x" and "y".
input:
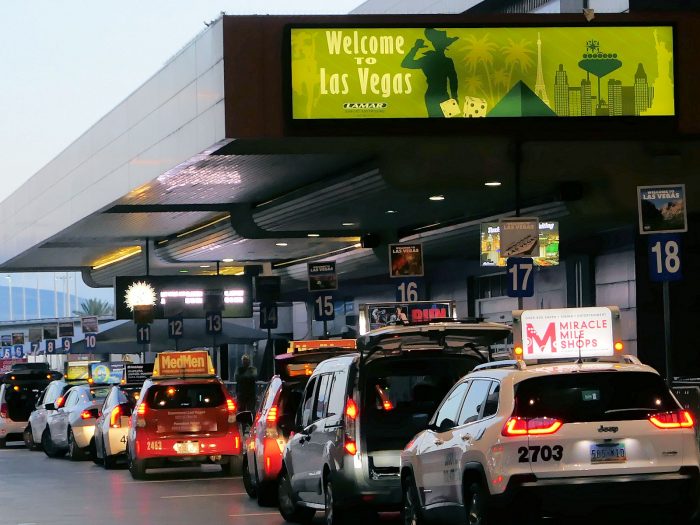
{"x": 156, "y": 447}
{"x": 584, "y": 495}
{"x": 83, "y": 434}
{"x": 11, "y": 428}
{"x": 354, "y": 486}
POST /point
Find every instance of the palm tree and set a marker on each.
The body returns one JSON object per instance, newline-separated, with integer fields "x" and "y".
{"x": 518, "y": 54}
{"x": 474, "y": 85}
{"x": 479, "y": 51}
{"x": 500, "y": 80}
{"x": 94, "y": 307}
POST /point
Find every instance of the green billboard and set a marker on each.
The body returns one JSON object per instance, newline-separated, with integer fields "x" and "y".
{"x": 350, "y": 73}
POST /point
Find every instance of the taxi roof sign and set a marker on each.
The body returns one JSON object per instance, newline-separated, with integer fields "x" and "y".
{"x": 320, "y": 344}
{"x": 567, "y": 333}
{"x": 183, "y": 364}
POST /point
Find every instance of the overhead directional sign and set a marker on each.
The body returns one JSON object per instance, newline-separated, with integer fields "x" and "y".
{"x": 410, "y": 290}
{"x": 324, "y": 310}
{"x": 143, "y": 334}
{"x": 176, "y": 327}
{"x": 520, "y": 277}
{"x": 213, "y": 323}
{"x": 268, "y": 316}
{"x": 90, "y": 341}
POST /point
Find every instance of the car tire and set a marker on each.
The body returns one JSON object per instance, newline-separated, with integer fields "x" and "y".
{"x": 108, "y": 462}
{"x": 49, "y": 448}
{"x": 333, "y": 513}
{"x": 233, "y": 467}
{"x": 410, "y": 508}
{"x": 476, "y": 504}
{"x": 75, "y": 453}
{"x": 267, "y": 494}
{"x": 29, "y": 439}
{"x": 289, "y": 509}
{"x": 137, "y": 467}
{"x": 248, "y": 484}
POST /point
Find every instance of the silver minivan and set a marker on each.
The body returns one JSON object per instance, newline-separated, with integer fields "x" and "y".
{"x": 359, "y": 411}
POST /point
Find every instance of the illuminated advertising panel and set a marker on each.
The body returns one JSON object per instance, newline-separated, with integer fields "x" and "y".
{"x": 188, "y": 296}
{"x": 448, "y": 72}
{"x": 547, "y": 252}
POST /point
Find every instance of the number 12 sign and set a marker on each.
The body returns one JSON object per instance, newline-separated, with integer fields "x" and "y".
{"x": 520, "y": 277}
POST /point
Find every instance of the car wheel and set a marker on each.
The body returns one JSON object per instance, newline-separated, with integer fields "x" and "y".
{"x": 108, "y": 462}
{"x": 289, "y": 510}
{"x": 233, "y": 467}
{"x": 137, "y": 467}
{"x": 75, "y": 453}
{"x": 476, "y": 504}
{"x": 411, "y": 504}
{"x": 248, "y": 481}
{"x": 267, "y": 494}
{"x": 334, "y": 515}
{"x": 29, "y": 438}
{"x": 49, "y": 448}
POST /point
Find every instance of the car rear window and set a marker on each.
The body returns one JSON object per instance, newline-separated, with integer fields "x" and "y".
{"x": 402, "y": 393}
{"x": 129, "y": 395}
{"x": 99, "y": 393}
{"x": 207, "y": 395}
{"x": 593, "y": 396}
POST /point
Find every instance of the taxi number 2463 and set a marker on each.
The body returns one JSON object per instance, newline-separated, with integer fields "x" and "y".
{"x": 535, "y": 453}
{"x": 154, "y": 445}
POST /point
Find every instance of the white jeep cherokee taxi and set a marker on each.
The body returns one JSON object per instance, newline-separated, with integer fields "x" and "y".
{"x": 553, "y": 439}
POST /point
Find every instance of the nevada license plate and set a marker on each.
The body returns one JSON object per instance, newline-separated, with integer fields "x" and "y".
{"x": 187, "y": 447}
{"x": 608, "y": 453}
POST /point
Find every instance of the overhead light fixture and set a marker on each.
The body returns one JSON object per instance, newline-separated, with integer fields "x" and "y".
{"x": 116, "y": 256}
{"x": 348, "y": 224}
{"x": 240, "y": 273}
{"x": 280, "y": 244}
{"x": 227, "y": 260}
{"x": 492, "y": 183}
{"x": 391, "y": 211}
{"x": 437, "y": 197}
{"x": 205, "y": 266}
{"x": 313, "y": 235}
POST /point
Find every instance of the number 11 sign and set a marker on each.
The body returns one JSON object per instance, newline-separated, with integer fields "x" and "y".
{"x": 520, "y": 277}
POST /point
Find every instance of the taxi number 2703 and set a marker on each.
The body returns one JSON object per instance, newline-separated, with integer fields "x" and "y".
{"x": 537, "y": 453}
{"x": 154, "y": 445}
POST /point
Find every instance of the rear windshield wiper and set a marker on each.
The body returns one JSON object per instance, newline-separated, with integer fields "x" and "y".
{"x": 655, "y": 409}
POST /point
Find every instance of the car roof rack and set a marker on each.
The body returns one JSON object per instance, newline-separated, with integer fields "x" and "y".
{"x": 509, "y": 363}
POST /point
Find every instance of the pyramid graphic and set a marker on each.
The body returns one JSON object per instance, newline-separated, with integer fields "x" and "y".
{"x": 521, "y": 101}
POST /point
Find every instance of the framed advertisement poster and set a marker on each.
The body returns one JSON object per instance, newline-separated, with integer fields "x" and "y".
{"x": 662, "y": 209}
{"x": 406, "y": 260}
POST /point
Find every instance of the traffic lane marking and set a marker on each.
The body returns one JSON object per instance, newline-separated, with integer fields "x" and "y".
{"x": 227, "y": 480}
{"x": 203, "y": 495}
{"x": 254, "y": 514}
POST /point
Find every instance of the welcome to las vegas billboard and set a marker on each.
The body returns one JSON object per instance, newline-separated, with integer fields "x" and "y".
{"x": 420, "y": 72}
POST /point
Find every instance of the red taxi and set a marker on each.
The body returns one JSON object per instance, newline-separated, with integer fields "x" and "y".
{"x": 274, "y": 420}
{"x": 184, "y": 416}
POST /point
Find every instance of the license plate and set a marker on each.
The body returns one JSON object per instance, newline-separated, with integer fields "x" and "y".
{"x": 608, "y": 453}
{"x": 187, "y": 447}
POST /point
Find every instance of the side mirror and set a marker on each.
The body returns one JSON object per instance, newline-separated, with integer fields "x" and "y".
{"x": 245, "y": 418}
{"x": 50, "y": 406}
{"x": 445, "y": 425}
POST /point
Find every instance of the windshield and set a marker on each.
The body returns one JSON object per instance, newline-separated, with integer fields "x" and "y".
{"x": 593, "y": 396}
{"x": 401, "y": 394}
{"x": 192, "y": 395}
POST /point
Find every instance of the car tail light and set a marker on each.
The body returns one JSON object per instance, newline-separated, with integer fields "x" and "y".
{"x": 231, "y": 408}
{"x": 539, "y": 426}
{"x": 272, "y": 415}
{"x": 675, "y": 419}
{"x": 351, "y": 415}
{"x": 115, "y": 420}
{"x": 59, "y": 402}
{"x": 3, "y": 410}
{"x": 140, "y": 413}
{"x": 86, "y": 414}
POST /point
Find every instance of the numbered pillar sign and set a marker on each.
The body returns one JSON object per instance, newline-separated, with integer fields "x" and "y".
{"x": 50, "y": 346}
{"x": 18, "y": 351}
{"x": 520, "y": 277}
{"x": 176, "y": 327}
{"x": 665, "y": 257}
{"x": 34, "y": 348}
{"x": 66, "y": 344}
{"x": 143, "y": 334}
{"x": 410, "y": 290}
{"x": 90, "y": 341}
{"x": 6, "y": 352}
{"x": 268, "y": 316}
{"x": 323, "y": 308}
{"x": 214, "y": 323}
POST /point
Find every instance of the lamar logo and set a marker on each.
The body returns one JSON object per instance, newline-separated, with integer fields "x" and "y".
{"x": 365, "y": 105}
{"x": 537, "y": 343}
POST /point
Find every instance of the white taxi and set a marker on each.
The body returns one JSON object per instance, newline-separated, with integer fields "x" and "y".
{"x": 595, "y": 436}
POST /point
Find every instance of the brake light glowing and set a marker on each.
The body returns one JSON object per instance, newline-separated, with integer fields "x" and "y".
{"x": 351, "y": 409}
{"x": 85, "y": 414}
{"x": 230, "y": 405}
{"x": 387, "y": 405}
{"x": 675, "y": 419}
{"x": 3, "y": 410}
{"x": 516, "y": 426}
{"x": 272, "y": 415}
{"x": 115, "y": 417}
{"x": 59, "y": 402}
{"x": 141, "y": 410}
{"x": 350, "y": 447}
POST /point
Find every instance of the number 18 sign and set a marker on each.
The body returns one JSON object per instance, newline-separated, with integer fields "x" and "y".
{"x": 665, "y": 257}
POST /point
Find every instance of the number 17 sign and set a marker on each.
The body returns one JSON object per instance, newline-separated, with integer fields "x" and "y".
{"x": 520, "y": 277}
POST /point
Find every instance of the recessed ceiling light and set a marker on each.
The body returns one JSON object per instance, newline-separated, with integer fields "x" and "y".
{"x": 184, "y": 271}
{"x": 227, "y": 260}
{"x": 437, "y": 197}
{"x": 313, "y": 235}
{"x": 239, "y": 273}
{"x": 280, "y": 244}
{"x": 391, "y": 211}
{"x": 348, "y": 224}
{"x": 205, "y": 266}
{"x": 492, "y": 183}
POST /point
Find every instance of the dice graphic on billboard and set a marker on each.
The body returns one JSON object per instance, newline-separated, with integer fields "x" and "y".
{"x": 474, "y": 107}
